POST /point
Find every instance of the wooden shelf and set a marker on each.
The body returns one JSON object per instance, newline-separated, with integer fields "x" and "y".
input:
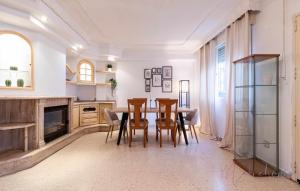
{"x": 87, "y": 84}
{"x": 71, "y": 82}
{"x": 80, "y": 83}
{"x": 8, "y": 126}
{"x": 105, "y": 72}
{"x": 70, "y": 70}
{"x": 103, "y": 84}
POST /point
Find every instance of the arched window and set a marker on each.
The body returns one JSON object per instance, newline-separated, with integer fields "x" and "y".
{"x": 16, "y": 61}
{"x": 85, "y": 71}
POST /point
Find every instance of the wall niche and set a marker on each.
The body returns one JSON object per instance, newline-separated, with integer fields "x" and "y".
{"x": 16, "y": 61}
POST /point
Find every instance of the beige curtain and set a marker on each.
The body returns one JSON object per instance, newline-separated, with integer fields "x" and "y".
{"x": 207, "y": 89}
{"x": 237, "y": 45}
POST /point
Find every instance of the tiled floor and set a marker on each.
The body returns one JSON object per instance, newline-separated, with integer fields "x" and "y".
{"x": 89, "y": 164}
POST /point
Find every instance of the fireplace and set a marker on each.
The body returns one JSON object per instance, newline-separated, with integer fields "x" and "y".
{"x": 55, "y": 122}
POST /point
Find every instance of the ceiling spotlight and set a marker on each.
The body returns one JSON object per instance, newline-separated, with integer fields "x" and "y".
{"x": 44, "y": 19}
{"x": 37, "y": 22}
{"x": 79, "y": 46}
{"x": 111, "y": 58}
{"x": 75, "y": 48}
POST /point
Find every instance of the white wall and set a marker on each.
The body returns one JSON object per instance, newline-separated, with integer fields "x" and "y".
{"x": 269, "y": 37}
{"x": 131, "y": 82}
{"x": 49, "y": 66}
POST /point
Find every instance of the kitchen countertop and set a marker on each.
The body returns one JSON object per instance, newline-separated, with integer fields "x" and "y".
{"x": 34, "y": 97}
{"x": 81, "y": 102}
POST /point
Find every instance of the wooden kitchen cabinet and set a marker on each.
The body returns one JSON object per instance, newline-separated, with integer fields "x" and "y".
{"x": 75, "y": 117}
{"x": 102, "y": 106}
{"x": 89, "y": 114}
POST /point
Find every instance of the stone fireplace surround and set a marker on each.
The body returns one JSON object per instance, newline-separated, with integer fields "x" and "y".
{"x": 31, "y": 109}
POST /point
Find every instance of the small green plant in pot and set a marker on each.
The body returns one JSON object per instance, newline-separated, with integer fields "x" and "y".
{"x": 13, "y": 68}
{"x": 8, "y": 83}
{"x": 113, "y": 85}
{"x": 109, "y": 67}
{"x": 20, "y": 83}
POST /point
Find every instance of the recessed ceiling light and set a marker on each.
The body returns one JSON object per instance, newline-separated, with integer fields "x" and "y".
{"x": 111, "y": 58}
{"x": 44, "y": 19}
{"x": 75, "y": 48}
{"x": 79, "y": 46}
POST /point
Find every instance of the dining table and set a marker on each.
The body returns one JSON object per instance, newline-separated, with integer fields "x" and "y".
{"x": 124, "y": 111}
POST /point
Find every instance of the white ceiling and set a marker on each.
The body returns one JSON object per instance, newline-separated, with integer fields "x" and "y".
{"x": 177, "y": 25}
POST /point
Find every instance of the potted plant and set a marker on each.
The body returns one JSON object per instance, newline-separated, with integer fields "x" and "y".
{"x": 20, "y": 82}
{"x": 113, "y": 85}
{"x": 8, "y": 83}
{"x": 109, "y": 67}
{"x": 13, "y": 68}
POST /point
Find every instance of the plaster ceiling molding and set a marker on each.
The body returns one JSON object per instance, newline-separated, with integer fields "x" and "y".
{"x": 76, "y": 18}
{"x": 18, "y": 13}
{"x": 235, "y": 9}
{"x": 141, "y": 23}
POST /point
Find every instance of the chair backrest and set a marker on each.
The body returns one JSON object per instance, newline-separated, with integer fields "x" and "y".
{"x": 157, "y": 105}
{"x": 167, "y": 107}
{"x": 107, "y": 117}
{"x": 136, "y": 107}
{"x": 192, "y": 117}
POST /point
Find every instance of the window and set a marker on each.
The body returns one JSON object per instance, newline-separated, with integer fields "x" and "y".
{"x": 16, "y": 63}
{"x": 220, "y": 71}
{"x": 86, "y": 71}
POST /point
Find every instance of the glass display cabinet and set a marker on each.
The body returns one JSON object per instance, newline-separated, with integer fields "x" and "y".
{"x": 256, "y": 147}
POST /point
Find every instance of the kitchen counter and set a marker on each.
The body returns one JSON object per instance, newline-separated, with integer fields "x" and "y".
{"x": 34, "y": 97}
{"x": 82, "y": 102}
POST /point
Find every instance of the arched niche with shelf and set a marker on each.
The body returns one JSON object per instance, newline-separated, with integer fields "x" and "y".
{"x": 16, "y": 61}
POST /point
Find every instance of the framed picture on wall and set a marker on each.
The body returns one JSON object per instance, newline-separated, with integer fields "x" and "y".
{"x": 158, "y": 70}
{"x": 167, "y": 86}
{"x": 147, "y": 82}
{"x": 156, "y": 80}
{"x": 167, "y": 72}
{"x": 147, "y": 88}
{"x": 153, "y": 71}
{"x": 147, "y": 73}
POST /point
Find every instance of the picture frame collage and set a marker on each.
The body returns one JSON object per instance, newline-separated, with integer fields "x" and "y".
{"x": 159, "y": 77}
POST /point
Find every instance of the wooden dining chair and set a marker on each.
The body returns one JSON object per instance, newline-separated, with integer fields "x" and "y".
{"x": 169, "y": 108}
{"x": 137, "y": 110}
{"x": 158, "y": 116}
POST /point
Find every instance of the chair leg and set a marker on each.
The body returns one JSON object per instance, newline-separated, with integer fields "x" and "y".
{"x": 130, "y": 136}
{"x": 179, "y": 134}
{"x": 112, "y": 131}
{"x": 134, "y": 131}
{"x": 168, "y": 132}
{"x": 108, "y": 133}
{"x": 174, "y": 131}
{"x": 144, "y": 138}
{"x": 195, "y": 133}
{"x": 160, "y": 134}
{"x": 190, "y": 129}
{"x": 147, "y": 134}
{"x": 156, "y": 133}
{"x": 124, "y": 135}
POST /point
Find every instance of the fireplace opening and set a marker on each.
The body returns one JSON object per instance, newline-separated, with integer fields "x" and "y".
{"x": 55, "y": 122}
